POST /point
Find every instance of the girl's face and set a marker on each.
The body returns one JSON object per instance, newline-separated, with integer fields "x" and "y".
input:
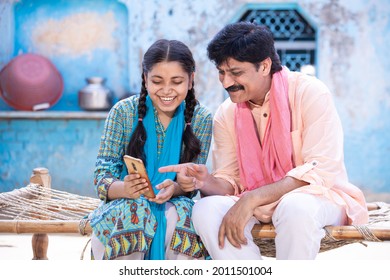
{"x": 167, "y": 84}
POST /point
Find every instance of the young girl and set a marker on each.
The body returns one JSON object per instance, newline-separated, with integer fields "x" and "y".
{"x": 164, "y": 125}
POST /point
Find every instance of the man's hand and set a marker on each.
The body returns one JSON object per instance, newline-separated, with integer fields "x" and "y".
{"x": 234, "y": 222}
{"x": 190, "y": 176}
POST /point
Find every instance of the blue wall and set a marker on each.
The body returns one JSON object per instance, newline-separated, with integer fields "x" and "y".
{"x": 67, "y": 147}
{"x": 352, "y": 59}
{"x": 82, "y": 39}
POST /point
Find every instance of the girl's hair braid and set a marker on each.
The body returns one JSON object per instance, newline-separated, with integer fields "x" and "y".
{"x": 191, "y": 143}
{"x": 138, "y": 139}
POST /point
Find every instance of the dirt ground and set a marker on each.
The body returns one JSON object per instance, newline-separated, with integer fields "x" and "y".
{"x": 75, "y": 247}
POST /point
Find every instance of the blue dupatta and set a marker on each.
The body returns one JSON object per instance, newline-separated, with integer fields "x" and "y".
{"x": 170, "y": 155}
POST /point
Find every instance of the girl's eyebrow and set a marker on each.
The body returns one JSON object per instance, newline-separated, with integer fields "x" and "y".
{"x": 174, "y": 77}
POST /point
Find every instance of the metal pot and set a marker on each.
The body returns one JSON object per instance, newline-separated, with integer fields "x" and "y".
{"x": 95, "y": 96}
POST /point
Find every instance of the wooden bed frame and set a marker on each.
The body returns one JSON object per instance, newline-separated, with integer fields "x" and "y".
{"x": 264, "y": 234}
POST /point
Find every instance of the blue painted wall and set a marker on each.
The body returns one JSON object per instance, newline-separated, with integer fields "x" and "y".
{"x": 82, "y": 39}
{"x": 67, "y": 147}
{"x": 352, "y": 59}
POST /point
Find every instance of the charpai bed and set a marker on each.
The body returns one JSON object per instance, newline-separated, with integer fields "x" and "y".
{"x": 40, "y": 210}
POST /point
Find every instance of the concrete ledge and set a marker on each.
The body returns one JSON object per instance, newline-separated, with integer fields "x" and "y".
{"x": 53, "y": 115}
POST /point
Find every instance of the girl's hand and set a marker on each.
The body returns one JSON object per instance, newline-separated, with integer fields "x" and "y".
{"x": 167, "y": 189}
{"x": 134, "y": 186}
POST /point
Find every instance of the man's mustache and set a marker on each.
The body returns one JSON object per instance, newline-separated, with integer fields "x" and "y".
{"x": 234, "y": 88}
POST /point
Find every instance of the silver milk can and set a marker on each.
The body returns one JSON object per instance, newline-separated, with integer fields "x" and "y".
{"x": 95, "y": 96}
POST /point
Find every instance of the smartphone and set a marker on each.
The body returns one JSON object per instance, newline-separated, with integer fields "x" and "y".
{"x": 135, "y": 165}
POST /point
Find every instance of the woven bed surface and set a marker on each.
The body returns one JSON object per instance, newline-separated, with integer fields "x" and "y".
{"x": 35, "y": 202}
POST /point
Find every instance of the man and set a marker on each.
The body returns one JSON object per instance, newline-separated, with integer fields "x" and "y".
{"x": 277, "y": 155}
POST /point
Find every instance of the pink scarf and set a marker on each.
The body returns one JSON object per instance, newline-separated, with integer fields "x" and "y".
{"x": 264, "y": 164}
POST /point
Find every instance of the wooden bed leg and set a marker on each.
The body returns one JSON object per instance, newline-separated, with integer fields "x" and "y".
{"x": 40, "y": 241}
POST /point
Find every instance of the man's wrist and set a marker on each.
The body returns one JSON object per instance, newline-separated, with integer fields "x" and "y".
{"x": 252, "y": 198}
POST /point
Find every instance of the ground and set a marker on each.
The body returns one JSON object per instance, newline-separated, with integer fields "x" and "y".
{"x": 71, "y": 247}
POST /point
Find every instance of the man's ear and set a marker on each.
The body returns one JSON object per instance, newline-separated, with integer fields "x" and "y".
{"x": 265, "y": 66}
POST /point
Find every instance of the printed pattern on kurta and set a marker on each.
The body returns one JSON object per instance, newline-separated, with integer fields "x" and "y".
{"x": 184, "y": 238}
{"x": 128, "y": 226}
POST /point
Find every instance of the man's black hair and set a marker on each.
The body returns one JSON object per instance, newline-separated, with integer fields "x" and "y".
{"x": 245, "y": 42}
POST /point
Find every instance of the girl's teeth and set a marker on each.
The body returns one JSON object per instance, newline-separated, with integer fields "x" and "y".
{"x": 167, "y": 99}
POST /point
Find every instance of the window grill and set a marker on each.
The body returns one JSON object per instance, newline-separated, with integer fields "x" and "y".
{"x": 295, "y": 38}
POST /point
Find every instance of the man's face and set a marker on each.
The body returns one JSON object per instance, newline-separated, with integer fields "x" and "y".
{"x": 243, "y": 81}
